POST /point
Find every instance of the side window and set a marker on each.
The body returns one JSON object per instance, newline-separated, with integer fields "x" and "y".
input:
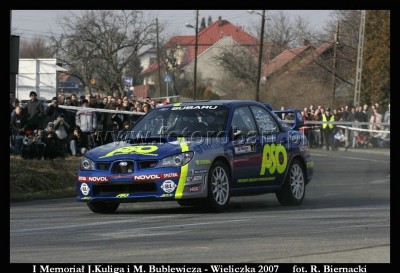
{"x": 264, "y": 120}
{"x": 243, "y": 120}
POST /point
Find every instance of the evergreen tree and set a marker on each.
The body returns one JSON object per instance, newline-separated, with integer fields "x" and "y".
{"x": 375, "y": 81}
{"x": 202, "y": 24}
{"x": 210, "y": 21}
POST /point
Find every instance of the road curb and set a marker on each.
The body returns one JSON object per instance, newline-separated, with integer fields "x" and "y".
{"x": 364, "y": 151}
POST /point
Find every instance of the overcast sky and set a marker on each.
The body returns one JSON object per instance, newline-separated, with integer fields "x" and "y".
{"x": 30, "y": 23}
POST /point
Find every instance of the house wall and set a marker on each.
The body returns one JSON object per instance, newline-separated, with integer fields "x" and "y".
{"x": 208, "y": 71}
{"x": 147, "y": 59}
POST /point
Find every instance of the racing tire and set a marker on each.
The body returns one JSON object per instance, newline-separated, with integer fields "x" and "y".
{"x": 102, "y": 207}
{"x": 294, "y": 187}
{"x": 218, "y": 187}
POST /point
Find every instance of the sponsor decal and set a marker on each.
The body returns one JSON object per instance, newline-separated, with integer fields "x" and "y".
{"x": 122, "y": 195}
{"x": 167, "y": 195}
{"x": 93, "y": 178}
{"x": 194, "y": 178}
{"x": 147, "y": 177}
{"x": 170, "y": 175}
{"x": 194, "y": 188}
{"x": 255, "y": 179}
{"x": 197, "y": 177}
{"x": 86, "y": 198}
{"x": 304, "y": 148}
{"x": 98, "y": 179}
{"x": 85, "y": 189}
{"x": 274, "y": 159}
{"x": 203, "y": 161}
{"x": 199, "y": 171}
{"x": 310, "y": 164}
{"x": 168, "y": 186}
{"x": 245, "y": 149}
{"x": 140, "y": 150}
{"x": 155, "y": 176}
{"x": 191, "y": 107}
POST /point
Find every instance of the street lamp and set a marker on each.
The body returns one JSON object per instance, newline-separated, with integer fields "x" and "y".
{"x": 195, "y": 52}
{"x": 260, "y": 53}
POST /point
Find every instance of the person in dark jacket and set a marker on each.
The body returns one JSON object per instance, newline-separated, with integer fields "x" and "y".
{"x": 35, "y": 110}
{"x": 18, "y": 122}
{"x": 78, "y": 142}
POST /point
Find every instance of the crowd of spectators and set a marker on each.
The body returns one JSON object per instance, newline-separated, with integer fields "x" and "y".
{"x": 40, "y": 131}
{"x": 332, "y": 136}
{"x": 47, "y": 131}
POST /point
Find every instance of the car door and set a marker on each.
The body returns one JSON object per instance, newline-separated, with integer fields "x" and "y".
{"x": 246, "y": 149}
{"x": 274, "y": 145}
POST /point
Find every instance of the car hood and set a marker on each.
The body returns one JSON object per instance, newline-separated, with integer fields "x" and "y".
{"x": 137, "y": 151}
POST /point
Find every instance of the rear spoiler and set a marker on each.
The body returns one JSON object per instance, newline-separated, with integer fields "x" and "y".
{"x": 292, "y": 117}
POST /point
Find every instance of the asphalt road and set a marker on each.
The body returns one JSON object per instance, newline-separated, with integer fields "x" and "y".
{"x": 345, "y": 218}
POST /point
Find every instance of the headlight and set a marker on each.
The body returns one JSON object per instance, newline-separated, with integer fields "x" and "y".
{"x": 87, "y": 164}
{"x": 176, "y": 160}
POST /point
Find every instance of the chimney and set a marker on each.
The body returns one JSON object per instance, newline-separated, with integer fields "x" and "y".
{"x": 306, "y": 42}
{"x": 219, "y": 20}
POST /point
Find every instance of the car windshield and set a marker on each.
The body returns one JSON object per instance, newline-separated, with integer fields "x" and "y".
{"x": 201, "y": 121}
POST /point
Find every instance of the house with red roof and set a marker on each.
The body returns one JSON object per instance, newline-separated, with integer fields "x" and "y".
{"x": 304, "y": 73}
{"x": 181, "y": 49}
{"x": 283, "y": 71}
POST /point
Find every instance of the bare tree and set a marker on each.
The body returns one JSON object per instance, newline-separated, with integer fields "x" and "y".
{"x": 36, "y": 48}
{"x": 240, "y": 62}
{"x": 99, "y": 45}
{"x": 281, "y": 31}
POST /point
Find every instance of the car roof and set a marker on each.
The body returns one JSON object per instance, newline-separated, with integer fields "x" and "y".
{"x": 229, "y": 103}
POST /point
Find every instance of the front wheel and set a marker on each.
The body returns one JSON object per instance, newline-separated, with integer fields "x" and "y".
{"x": 102, "y": 207}
{"x": 218, "y": 189}
{"x": 294, "y": 187}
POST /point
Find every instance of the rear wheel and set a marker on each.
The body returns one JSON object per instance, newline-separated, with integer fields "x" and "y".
{"x": 218, "y": 192}
{"x": 102, "y": 207}
{"x": 294, "y": 187}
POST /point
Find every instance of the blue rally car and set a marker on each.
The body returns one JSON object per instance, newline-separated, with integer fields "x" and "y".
{"x": 200, "y": 153}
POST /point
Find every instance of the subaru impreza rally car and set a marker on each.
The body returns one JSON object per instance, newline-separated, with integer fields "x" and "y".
{"x": 199, "y": 153}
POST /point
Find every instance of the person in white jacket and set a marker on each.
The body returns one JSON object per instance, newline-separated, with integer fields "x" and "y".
{"x": 86, "y": 120}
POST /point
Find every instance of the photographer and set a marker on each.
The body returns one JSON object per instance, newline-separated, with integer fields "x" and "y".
{"x": 78, "y": 142}
{"x": 62, "y": 128}
{"x": 51, "y": 140}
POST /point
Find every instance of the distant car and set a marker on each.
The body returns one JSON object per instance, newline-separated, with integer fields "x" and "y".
{"x": 199, "y": 153}
{"x": 67, "y": 88}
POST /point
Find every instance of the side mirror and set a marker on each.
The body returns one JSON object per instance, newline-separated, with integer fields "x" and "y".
{"x": 235, "y": 133}
{"x": 292, "y": 117}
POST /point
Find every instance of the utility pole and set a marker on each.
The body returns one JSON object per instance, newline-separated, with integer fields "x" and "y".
{"x": 196, "y": 29}
{"x": 357, "y": 89}
{"x": 195, "y": 55}
{"x": 260, "y": 56}
{"x": 158, "y": 58}
{"x": 336, "y": 42}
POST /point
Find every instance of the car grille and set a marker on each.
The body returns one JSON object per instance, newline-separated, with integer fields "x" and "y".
{"x": 122, "y": 167}
{"x": 125, "y": 187}
{"x": 103, "y": 166}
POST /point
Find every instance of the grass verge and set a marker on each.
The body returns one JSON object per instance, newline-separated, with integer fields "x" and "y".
{"x": 42, "y": 179}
